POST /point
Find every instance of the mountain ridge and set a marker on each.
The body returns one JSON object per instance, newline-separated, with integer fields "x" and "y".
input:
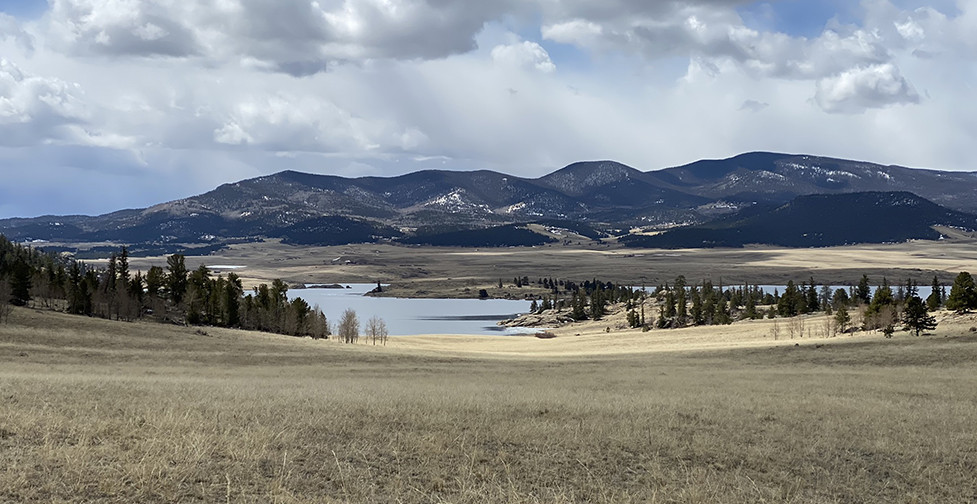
{"x": 604, "y": 194}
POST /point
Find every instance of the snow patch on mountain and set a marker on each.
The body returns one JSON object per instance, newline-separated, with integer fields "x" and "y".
{"x": 456, "y": 201}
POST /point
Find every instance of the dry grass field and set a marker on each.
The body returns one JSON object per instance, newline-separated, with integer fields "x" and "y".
{"x": 96, "y": 411}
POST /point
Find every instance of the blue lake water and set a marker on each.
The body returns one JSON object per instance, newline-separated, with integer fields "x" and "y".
{"x": 406, "y": 317}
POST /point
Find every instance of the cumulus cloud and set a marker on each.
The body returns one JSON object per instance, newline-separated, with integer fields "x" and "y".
{"x": 863, "y": 88}
{"x": 297, "y": 37}
{"x": 117, "y": 28}
{"x": 37, "y": 109}
{"x": 289, "y": 123}
{"x": 524, "y": 55}
{"x": 700, "y": 30}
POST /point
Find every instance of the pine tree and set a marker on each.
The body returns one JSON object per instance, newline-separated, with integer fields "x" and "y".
{"x": 812, "y": 297}
{"x": 883, "y": 297}
{"x": 863, "y": 293}
{"x": 681, "y": 312}
{"x": 176, "y": 279}
{"x": 840, "y": 299}
{"x": 578, "y": 310}
{"x": 749, "y": 312}
{"x": 842, "y": 318}
{"x": 696, "y": 311}
{"x": 20, "y": 282}
{"x": 934, "y": 301}
{"x": 916, "y": 317}
{"x": 788, "y": 306}
{"x": 722, "y": 316}
{"x": 963, "y": 294}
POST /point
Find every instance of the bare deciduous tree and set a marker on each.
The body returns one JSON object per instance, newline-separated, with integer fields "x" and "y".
{"x": 376, "y": 329}
{"x": 795, "y": 327}
{"x": 349, "y": 327}
{"x": 828, "y": 328}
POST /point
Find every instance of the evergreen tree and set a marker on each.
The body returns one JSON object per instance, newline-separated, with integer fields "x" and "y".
{"x": 579, "y": 309}
{"x": 20, "y": 282}
{"x": 789, "y": 304}
{"x": 722, "y": 316}
{"x": 883, "y": 297}
{"x": 842, "y": 318}
{"x": 864, "y": 292}
{"x": 915, "y": 316}
{"x": 813, "y": 305}
{"x": 749, "y": 312}
{"x": 840, "y": 299}
{"x": 669, "y": 306}
{"x": 934, "y": 300}
{"x": 963, "y": 294}
{"x": 155, "y": 281}
{"x": 597, "y": 304}
{"x": 681, "y": 311}
{"x": 696, "y": 311}
{"x": 176, "y": 279}
{"x": 546, "y": 304}
{"x": 123, "y": 270}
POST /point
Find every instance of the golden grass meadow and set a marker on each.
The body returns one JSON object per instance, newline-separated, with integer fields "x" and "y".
{"x": 98, "y": 411}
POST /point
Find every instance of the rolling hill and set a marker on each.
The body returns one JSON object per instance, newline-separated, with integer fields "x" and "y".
{"x": 603, "y": 195}
{"x": 819, "y": 220}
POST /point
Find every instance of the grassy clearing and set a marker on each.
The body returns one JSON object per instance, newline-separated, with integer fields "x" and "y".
{"x": 95, "y": 411}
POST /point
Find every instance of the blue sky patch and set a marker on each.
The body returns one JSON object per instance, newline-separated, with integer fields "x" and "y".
{"x": 23, "y": 8}
{"x": 803, "y": 18}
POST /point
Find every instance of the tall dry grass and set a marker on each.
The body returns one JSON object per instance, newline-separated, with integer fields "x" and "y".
{"x": 95, "y": 411}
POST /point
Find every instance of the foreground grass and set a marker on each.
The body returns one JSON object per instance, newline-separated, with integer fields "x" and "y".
{"x": 99, "y": 411}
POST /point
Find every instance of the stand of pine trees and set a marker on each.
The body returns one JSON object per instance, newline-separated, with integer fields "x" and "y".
{"x": 682, "y": 304}
{"x": 30, "y": 277}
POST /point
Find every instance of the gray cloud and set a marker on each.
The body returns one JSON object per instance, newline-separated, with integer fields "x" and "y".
{"x": 753, "y": 105}
{"x": 122, "y": 28}
{"x": 35, "y": 109}
{"x": 862, "y": 88}
{"x": 296, "y": 37}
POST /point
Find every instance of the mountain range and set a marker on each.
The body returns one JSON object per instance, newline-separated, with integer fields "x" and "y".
{"x": 606, "y": 196}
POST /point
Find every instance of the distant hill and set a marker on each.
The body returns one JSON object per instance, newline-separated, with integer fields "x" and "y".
{"x": 599, "y": 196}
{"x": 766, "y": 177}
{"x": 819, "y": 220}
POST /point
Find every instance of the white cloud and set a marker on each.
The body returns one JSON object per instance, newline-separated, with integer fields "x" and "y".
{"x": 37, "y": 109}
{"x": 577, "y": 31}
{"x": 863, "y": 88}
{"x": 191, "y": 94}
{"x": 11, "y": 29}
{"x": 524, "y": 54}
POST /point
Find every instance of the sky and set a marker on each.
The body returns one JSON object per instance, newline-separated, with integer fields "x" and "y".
{"x": 112, "y": 104}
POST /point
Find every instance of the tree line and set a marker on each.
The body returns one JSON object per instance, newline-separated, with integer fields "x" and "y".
{"x": 684, "y": 304}
{"x": 28, "y": 276}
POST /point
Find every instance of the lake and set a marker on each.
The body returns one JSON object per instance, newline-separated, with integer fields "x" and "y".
{"x": 405, "y": 317}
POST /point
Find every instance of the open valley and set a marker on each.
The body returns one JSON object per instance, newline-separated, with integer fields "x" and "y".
{"x": 99, "y": 411}
{"x": 460, "y": 272}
